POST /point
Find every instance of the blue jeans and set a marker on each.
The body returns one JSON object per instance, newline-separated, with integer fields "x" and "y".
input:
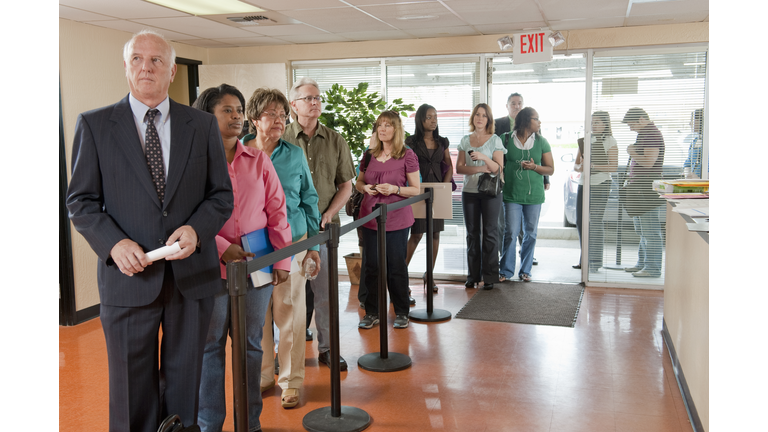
{"x": 517, "y": 215}
{"x": 322, "y": 305}
{"x": 213, "y": 407}
{"x": 648, "y": 227}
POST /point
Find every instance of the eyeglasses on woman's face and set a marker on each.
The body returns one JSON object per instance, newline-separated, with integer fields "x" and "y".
{"x": 272, "y": 115}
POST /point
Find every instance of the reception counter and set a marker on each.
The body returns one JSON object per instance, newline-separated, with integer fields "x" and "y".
{"x": 686, "y": 313}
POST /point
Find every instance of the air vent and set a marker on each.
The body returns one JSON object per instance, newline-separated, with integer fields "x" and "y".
{"x": 255, "y": 19}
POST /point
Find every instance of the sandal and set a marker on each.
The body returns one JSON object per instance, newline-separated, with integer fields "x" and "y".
{"x": 502, "y": 278}
{"x": 290, "y": 398}
{"x": 267, "y": 387}
{"x": 525, "y": 277}
{"x": 424, "y": 278}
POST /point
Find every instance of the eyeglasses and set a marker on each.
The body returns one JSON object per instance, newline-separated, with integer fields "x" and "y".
{"x": 310, "y": 99}
{"x": 273, "y": 115}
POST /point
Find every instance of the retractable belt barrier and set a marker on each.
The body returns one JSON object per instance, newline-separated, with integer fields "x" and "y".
{"x": 336, "y": 418}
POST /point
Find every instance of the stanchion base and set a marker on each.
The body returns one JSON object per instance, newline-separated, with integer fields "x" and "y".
{"x": 351, "y": 420}
{"x": 374, "y": 363}
{"x": 423, "y": 316}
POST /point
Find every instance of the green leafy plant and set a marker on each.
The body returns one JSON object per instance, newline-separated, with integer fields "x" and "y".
{"x": 353, "y": 112}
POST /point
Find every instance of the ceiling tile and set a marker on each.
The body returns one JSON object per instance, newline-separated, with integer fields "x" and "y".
{"x": 338, "y": 20}
{"x": 282, "y": 5}
{"x": 284, "y": 30}
{"x": 509, "y": 28}
{"x": 386, "y": 3}
{"x": 207, "y": 43}
{"x": 134, "y": 27}
{"x": 671, "y": 8}
{"x": 495, "y": 11}
{"x": 124, "y": 9}
{"x": 81, "y": 15}
{"x": 310, "y": 39}
{"x": 589, "y": 23}
{"x": 444, "y": 32}
{"x": 396, "y": 14}
{"x": 556, "y": 10}
{"x": 253, "y": 41}
{"x": 375, "y": 35}
{"x": 665, "y": 19}
{"x": 200, "y": 27}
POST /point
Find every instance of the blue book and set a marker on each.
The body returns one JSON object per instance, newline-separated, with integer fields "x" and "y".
{"x": 257, "y": 242}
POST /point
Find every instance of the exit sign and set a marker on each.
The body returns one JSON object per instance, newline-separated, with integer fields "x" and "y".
{"x": 532, "y": 47}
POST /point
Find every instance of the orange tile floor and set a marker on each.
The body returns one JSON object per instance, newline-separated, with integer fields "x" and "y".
{"x": 611, "y": 372}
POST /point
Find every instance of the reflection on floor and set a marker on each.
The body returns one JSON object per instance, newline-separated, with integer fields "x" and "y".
{"x": 611, "y": 372}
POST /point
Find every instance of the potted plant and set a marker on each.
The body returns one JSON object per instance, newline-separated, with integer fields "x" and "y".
{"x": 352, "y": 114}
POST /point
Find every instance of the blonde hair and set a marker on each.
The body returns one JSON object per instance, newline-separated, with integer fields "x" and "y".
{"x": 490, "y": 126}
{"x": 398, "y": 140}
{"x": 260, "y": 100}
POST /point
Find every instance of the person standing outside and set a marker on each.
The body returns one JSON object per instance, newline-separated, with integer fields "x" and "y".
{"x": 148, "y": 172}
{"x": 647, "y": 159}
{"x": 332, "y": 170}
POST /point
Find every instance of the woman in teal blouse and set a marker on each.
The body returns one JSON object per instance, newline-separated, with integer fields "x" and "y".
{"x": 529, "y": 157}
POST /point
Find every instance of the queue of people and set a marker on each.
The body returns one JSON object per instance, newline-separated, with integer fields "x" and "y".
{"x": 148, "y": 172}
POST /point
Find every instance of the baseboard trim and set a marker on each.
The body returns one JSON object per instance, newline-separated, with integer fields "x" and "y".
{"x": 682, "y": 384}
{"x": 87, "y": 314}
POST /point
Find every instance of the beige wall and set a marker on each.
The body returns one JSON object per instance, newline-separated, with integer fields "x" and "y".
{"x": 91, "y": 74}
{"x": 179, "y": 89}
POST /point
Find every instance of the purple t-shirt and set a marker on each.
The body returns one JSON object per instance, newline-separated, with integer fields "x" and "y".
{"x": 649, "y": 137}
{"x": 393, "y": 171}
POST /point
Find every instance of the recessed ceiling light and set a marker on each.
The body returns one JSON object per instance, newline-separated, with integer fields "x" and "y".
{"x": 207, "y": 7}
{"x": 416, "y": 17}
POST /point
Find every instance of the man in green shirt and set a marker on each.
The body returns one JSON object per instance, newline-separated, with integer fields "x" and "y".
{"x": 330, "y": 164}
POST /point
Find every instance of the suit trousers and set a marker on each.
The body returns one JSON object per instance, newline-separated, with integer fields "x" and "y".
{"x": 141, "y": 393}
{"x": 287, "y": 309}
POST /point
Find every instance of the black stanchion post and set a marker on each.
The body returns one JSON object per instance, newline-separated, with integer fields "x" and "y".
{"x": 237, "y": 284}
{"x": 383, "y": 361}
{"x": 430, "y": 315}
{"x": 335, "y": 418}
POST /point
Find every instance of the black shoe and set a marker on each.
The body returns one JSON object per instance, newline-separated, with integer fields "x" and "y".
{"x": 469, "y": 284}
{"x": 577, "y": 266}
{"x": 277, "y": 366}
{"x": 411, "y": 300}
{"x": 309, "y": 335}
{"x": 325, "y": 357}
{"x": 535, "y": 262}
{"x": 488, "y": 286}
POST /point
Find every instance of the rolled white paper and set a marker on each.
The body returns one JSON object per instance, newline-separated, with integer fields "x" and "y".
{"x": 163, "y": 252}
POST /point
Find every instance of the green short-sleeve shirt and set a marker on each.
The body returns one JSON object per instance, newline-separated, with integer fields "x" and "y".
{"x": 329, "y": 159}
{"x": 524, "y": 186}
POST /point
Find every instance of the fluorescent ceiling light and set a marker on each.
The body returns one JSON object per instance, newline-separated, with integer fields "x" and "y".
{"x": 512, "y": 71}
{"x": 416, "y": 17}
{"x": 208, "y": 7}
{"x": 449, "y": 74}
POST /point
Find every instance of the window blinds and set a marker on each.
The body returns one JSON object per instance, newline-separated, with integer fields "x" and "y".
{"x": 627, "y": 231}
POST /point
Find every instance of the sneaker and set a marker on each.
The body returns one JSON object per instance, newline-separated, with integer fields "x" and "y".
{"x": 369, "y": 321}
{"x": 401, "y": 321}
{"x": 633, "y": 269}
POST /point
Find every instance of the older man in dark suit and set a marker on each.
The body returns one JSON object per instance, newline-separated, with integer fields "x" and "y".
{"x": 146, "y": 173}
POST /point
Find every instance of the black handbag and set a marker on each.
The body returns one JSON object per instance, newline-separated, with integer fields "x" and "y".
{"x": 352, "y": 207}
{"x": 490, "y": 184}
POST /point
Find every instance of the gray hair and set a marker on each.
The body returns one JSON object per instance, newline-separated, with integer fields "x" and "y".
{"x": 294, "y": 92}
{"x": 128, "y": 48}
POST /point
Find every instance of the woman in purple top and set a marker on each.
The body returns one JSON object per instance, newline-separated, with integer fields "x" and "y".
{"x": 391, "y": 175}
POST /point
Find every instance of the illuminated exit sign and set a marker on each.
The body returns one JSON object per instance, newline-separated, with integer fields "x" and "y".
{"x": 532, "y": 47}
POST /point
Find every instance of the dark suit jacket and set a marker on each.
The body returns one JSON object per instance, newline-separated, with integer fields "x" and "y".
{"x": 111, "y": 197}
{"x": 501, "y": 125}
